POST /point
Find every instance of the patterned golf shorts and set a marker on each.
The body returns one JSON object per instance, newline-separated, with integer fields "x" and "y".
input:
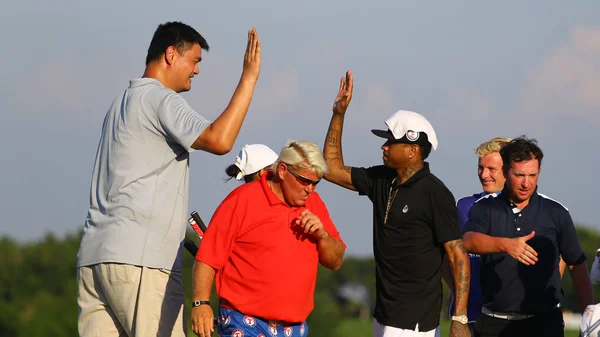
{"x": 235, "y": 324}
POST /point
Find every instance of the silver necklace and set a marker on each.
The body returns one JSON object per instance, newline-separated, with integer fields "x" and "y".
{"x": 390, "y": 200}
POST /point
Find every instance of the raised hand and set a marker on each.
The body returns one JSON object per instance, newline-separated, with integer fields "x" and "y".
{"x": 521, "y": 251}
{"x": 344, "y": 95}
{"x": 252, "y": 57}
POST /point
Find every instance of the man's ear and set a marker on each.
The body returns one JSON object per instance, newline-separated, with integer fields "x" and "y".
{"x": 415, "y": 150}
{"x": 170, "y": 55}
{"x": 281, "y": 170}
{"x": 261, "y": 172}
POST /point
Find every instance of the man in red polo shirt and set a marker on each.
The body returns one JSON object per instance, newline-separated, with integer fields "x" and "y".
{"x": 264, "y": 244}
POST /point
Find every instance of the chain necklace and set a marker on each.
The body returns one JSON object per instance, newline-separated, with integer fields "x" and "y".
{"x": 390, "y": 200}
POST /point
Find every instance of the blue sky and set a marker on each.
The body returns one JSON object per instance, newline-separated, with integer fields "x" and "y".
{"x": 476, "y": 70}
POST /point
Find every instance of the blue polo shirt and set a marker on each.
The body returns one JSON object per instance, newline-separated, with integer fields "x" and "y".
{"x": 508, "y": 285}
{"x": 474, "y": 302}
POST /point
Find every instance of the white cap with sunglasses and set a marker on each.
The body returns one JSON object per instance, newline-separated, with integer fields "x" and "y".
{"x": 254, "y": 157}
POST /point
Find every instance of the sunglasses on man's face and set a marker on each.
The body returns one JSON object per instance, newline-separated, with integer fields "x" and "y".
{"x": 303, "y": 180}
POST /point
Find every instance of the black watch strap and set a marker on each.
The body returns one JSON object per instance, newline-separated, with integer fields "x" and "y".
{"x": 198, "y": 303}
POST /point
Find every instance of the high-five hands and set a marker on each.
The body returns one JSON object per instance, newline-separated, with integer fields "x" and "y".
{"x": 344, "y": 95}
{"x": 251, "y": 68}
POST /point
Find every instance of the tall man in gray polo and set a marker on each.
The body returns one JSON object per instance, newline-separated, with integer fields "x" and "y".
{"x": 129, "y": 262}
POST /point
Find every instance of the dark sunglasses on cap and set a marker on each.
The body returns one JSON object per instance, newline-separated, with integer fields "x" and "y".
{"x": 303, "y": 180}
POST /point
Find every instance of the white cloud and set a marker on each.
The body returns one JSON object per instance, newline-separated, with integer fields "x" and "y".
{"x": 77, "y": 88}
{"x": 567, "y": 81}
{"x": 277, "y": 93}
{"x": 379, "y": 99}
{"x": 73, "y": 87}
{"x": 471, "y": 109}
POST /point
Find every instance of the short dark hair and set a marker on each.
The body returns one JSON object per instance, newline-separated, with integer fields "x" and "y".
{"x": 176, "y": 34}
{"x": 521, "y": 149}
{"x": 425, "y": 150}
{"x": 232, "y": 171}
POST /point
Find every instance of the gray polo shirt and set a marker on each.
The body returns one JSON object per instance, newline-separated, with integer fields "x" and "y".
{"x": 139, "y": 191}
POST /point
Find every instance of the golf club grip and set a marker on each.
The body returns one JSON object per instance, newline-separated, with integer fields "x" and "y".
{"x": 190, "y": 246}
{"x": 199, "y": 221}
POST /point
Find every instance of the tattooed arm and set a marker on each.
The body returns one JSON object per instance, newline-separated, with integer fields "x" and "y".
{"x": 461, "y": 275}
{"x": 338, "y": 174}
{"x": 461, "y": 270}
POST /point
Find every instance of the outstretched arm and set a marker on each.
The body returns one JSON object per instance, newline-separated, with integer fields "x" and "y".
{"x": 339, "y": 174}
{"x": 480, "y": 243}
{"x": 219, "y": 137}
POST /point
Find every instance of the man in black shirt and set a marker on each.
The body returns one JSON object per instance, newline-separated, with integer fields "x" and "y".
{"x": 521, "y": 236}
{"x": 415, "y": 223}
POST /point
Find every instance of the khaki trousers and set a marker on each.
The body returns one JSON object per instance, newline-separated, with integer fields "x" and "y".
{"x": 125, "y": 300}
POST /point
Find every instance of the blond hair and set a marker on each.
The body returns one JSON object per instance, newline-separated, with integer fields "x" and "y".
{"x": 302, "y": 154}
{"x": 491, "y": 146}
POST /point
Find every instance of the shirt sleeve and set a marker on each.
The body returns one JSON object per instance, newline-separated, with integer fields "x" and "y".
{"x": 180, "y": 122}
{"x": 364, "y": 179}
{"x": 318, "y": 208}
{"x": 361, "y": 180}
{"x": 478, "y": 219}
{"x": 568, "y": 241}
{"x": 329, "y": 226}
{"x": 445, "y": 216}
{"x": 463, "y": 206}
{"x": 220, "y": 236}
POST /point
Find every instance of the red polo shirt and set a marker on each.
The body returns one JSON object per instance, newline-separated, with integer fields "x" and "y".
{"x": 266, "y": 267}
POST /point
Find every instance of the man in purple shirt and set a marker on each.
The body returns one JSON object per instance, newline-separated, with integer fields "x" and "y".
{"x": 489, "y": 171}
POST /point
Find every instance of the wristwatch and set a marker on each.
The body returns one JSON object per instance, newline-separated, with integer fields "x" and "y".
{"x": 462, "y": 319}
{"x": 198, "y": 303}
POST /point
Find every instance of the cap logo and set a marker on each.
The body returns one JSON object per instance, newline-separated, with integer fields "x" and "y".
{"x": 412, "y": 135}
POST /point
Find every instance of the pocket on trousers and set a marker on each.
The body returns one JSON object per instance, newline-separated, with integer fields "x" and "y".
{"x": 120, "y": 273}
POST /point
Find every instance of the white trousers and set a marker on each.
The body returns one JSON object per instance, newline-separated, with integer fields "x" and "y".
{"x": 590, "y": 321}
{"x": 118, "y": 300}
{"x": 380, "y": 330}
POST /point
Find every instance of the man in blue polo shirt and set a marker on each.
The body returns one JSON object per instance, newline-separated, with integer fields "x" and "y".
{"x": 520, "y": 236}
{"x": 489, "y": 171}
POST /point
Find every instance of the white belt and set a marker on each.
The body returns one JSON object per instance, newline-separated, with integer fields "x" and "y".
{"x": 513, "y": 316}
{"x": 504, "y": 315}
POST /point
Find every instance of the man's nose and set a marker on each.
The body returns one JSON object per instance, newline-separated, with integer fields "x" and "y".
{"x": 310, "y": 188}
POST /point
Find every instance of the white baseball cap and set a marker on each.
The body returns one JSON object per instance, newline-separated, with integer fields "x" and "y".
{"x": 408, "y": 127}
{"x": 254, "y": 157}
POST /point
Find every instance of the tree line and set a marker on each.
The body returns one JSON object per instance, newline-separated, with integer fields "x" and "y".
{"x": 38, "y": 289}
